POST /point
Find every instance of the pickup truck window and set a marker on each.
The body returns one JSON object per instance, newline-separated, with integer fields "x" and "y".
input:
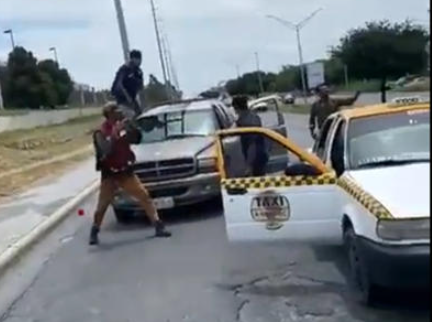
{"x": 393, "y": 139}
{"x": 175, "y": 125}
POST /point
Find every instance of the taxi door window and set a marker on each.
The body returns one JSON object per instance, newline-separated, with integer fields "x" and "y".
{"x": 249, "y": 155}
{"x": 320, "y": 147}
{"x": 337, "y": 154}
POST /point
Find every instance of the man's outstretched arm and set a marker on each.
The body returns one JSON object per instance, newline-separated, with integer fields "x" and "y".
{"x": 340, "y": 102}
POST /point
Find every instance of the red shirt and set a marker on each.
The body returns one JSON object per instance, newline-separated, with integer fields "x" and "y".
{"x": 121, "y": 156}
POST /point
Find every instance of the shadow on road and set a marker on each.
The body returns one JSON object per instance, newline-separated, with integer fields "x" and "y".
{"x": 408, "y": 303}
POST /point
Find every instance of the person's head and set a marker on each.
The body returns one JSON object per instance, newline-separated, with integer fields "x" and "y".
{"x": 135, "y": 57}
{"x": 240, "y": 103}
{"x": 112, "y": 112}
{"x": 323, "y": 92}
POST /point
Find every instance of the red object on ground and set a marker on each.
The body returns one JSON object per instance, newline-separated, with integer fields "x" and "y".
{"x": 81, "y": 212}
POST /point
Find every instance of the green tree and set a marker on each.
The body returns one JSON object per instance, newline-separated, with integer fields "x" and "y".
{"x": 61, "y": 80}
{"x": 21, "y": 89}
{"x": 382, "y": 50}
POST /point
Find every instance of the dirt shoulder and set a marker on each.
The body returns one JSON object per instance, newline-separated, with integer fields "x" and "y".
{"x": 32, "y": 150}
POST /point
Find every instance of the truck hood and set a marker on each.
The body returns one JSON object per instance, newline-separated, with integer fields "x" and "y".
{"x": 403, "y": 190}
{"x": 172, "y": 149}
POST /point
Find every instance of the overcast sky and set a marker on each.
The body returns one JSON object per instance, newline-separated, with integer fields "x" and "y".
{"x": 208, "y": 38}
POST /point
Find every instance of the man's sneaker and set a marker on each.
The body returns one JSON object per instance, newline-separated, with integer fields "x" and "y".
{"x": 94, "y": 236}
{"x": 161, "y": 231}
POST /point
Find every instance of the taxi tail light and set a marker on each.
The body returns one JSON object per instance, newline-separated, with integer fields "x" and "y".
{"x": 398, "y": 230}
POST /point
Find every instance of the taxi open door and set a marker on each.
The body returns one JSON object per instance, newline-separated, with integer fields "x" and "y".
{"x": 279, "y": 205}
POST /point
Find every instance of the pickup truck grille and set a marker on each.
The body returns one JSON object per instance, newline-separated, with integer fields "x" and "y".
{"x": 165, "y": 170}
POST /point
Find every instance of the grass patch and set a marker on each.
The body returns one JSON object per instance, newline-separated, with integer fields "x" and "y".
{"x": 365, "y": 87}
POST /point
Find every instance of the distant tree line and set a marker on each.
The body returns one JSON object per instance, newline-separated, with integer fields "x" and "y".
{"x": 29, "y": 83}
{"x": 378, "y": 51}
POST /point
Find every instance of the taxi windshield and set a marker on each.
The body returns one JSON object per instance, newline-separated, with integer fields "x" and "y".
{"x": 177, "y": 125}
{"x": 391, "y": 139}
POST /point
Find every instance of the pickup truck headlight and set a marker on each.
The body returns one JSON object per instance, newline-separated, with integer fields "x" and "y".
{"x": 207, "y": 165}
{"x": 398, "y": 230}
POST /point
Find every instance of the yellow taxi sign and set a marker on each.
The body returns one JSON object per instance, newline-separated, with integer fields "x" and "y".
{"x": 405, "y": 101}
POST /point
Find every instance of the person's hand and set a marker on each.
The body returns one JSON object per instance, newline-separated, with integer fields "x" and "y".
{"x": 357, "y": 94}
{"x": 313, "y": 133}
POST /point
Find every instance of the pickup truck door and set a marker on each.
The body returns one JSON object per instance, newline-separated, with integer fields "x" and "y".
{"x": 294, "y": 208}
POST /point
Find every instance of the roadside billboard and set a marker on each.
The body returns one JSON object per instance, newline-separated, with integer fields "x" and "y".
{"x": 315, "y": 74}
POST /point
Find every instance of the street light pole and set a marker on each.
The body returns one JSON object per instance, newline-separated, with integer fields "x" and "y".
{"x": 302, "y": 68}
{"x": 259, "y": 73}
{"x": 10, "y": 32}
{"x": 123, "y": 30}
{"x": 297, "y": 27}
{"x": 54, "y": 50}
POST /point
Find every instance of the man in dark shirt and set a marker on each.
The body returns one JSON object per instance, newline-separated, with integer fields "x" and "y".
{"x": 115, "y": 159}
{"x": 324, "y": 107}
{"x": 128, "y": 82}
{"x": 253, "y": 146}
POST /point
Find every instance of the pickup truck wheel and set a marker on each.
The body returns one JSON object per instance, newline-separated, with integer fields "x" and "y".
{"x": 359, "y": 278}
{"x": 123, "y": 216}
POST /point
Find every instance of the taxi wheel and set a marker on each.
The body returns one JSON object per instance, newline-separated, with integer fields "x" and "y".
{"x": 358, "y": 272}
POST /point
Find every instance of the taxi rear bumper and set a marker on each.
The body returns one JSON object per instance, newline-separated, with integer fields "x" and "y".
{"x": 399, "y": 267}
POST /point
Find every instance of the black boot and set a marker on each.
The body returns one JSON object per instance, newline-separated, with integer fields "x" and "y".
{"x": 161, "y": 231}
{"x": 94, "y": 236}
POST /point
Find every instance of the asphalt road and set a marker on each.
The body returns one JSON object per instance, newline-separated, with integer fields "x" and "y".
{"x": 196, "y": 276}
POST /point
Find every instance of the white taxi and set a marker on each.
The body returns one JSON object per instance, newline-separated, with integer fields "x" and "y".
{"x": 365, "y": 186}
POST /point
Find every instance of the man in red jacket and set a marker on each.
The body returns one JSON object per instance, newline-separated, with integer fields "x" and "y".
{"x": 115, "y": 159}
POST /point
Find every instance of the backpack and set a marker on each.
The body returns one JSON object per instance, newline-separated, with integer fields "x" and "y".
{"x": 102, "y": 147}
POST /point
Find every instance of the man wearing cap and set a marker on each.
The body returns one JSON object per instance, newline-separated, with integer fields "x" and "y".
{"x": 127, "y": 84}
{"x": 115, "y": 158}
{"x": 324, "y": 107}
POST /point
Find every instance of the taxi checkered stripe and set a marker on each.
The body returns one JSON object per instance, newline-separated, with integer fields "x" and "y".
{"x": 365, "y": 199}
{"x": 278, "y": 182}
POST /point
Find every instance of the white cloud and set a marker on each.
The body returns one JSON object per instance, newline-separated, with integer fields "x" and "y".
{"x": 208, "y": 38}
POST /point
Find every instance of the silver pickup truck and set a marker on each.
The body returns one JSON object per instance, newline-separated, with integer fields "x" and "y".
{"x": 176, "y": 159}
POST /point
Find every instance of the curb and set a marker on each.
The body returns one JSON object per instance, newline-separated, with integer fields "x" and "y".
{"x": 15, "y": 251}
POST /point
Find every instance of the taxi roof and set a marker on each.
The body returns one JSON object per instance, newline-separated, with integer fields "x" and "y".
{"x": 381, "y": 109}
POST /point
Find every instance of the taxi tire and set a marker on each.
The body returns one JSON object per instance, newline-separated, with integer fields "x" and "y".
{"x": 359, "y": 277}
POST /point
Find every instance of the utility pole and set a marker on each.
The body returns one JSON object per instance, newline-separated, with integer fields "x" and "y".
{"x": 171, "y": 66}
{"x": 54, "y": 50}
{"x": 159, "y": 43}
{"x": 297, "y": 27}
{"x": 237, "y": 66}
{"x": 10, "y": 32}
{"x": 261, "y": 87}
{"x": 1, "y": 98}
{"x": 123, "y": 29}
{"x": 346, "y": 75}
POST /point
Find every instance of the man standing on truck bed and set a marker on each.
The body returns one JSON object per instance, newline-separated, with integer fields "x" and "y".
{"x": 128, "y": 82}
{"x": 326, "y": 106}
{"x": 115, "y": 158}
